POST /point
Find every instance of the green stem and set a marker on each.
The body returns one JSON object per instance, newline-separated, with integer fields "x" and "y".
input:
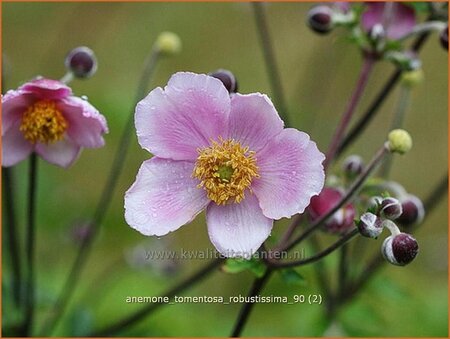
{"x": 343, "y": 240}
{"x": 12, "y": 234}
{"x": 104, "y": 202}
{"x": 30, "y": 247}
{"x": 361, "y": 84}
{"x": 246, "y": 309}
{"x": 271, "y": 64}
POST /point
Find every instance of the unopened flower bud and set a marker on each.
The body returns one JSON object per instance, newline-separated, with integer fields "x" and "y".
{"x": 374, "y": 204}
{"x": 407, "y": 61}
{"x": 413, "y": 211}
{"x": 353, "y": 166}
{"x": 320, "y": 205}
{"x": 412, "y": 78}
{"x": 81, "y": 61}
{"x": 228, "y": 79}
{"x": 400, "y": 249}
{"x": 443, "y": 37}
{"x": 320, "y": 19}
{"x": 399, "y": 141}
{"x": 391, "y": 208}
{"x": 370, "y": 225}
{"x": 168, "y": 43}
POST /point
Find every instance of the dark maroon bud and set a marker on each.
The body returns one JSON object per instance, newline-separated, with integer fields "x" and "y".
{"x": 443, "y": 37}
{"x": 400, "y": 249}
{"x": 413, "y": 211}
{"x": 228, "y": 79}
{"x": 370, "y": 225}
{"x": 353, "y": 166}
{"x": 320, "y": 19}
{"x": 339, "y": 222}
{"x": 390, "y": 208}
{"x": 81, "y": 61}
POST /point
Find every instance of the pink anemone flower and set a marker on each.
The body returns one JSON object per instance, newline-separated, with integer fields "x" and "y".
{"x": 42, "y": 116}
{"x": 230, "y": 155}
{"x": 397, "y": 21}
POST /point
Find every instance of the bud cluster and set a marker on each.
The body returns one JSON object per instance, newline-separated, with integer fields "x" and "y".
{"x": 399, "y": 248}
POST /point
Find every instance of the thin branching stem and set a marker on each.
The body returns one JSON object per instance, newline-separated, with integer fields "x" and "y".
{"x": 342, "y": 241}
{"x": 366, "y": 69}
{"x": 246, "y": 308}
{"x": 271, "y": 64}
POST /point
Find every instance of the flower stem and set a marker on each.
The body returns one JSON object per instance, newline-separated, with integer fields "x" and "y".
{"x": 364, "y": 74}
{"x": 271, "y": 65}
{"x": 246, "y": 309}
{"x": 371, "y": 112}
{"x": 104, "y": 202}
{"x": 139, "y": 315}
{"x": 67, "y": 78}
{"x": 343, "y": 268}
{"x": 379, "y": 156}
{"x": 30, "y": 246}
{"x": 12, "y": 235}
{"x": 342, "y": 241}
{"x": 426, "y": 27}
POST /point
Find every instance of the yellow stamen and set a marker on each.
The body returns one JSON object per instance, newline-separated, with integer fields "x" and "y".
{"x": 43, "y": 122}
{"x": 225, "y": 170}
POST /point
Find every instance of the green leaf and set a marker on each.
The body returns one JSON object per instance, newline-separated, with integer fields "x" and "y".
{"x": 292, "y": 277}
{"x": 253, "y": 265}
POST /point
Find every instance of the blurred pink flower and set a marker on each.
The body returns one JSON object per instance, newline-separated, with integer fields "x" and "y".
{"x": 228, "y": 154}
{"x": 342, "y": 220}
{"x": 42, "y": 116}
{"x": 397, "y": 21}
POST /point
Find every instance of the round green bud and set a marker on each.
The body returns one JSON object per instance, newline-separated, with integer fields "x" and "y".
{"x": 399, "y": 141}
{"x": 412, "y": 78}
{"x": 168, "y": 43}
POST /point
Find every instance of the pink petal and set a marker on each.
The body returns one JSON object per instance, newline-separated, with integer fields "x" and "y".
{"x": 253, "y": 120}
{"x": 238, "y": 230}
{"x": 15, "y": 147}
{"x": 164, "y": 197}
{"x": 86, "y": 124}
{"x": 14, "y": 104}
{"x": 61, "y": 153}
{"x": 291, "y": 173}
{"x": 47, "y": 89}
{"x": 190, "y": 111}
{"x": 400, "y": 21}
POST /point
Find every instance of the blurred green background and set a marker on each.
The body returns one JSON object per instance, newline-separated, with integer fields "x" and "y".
{"x": 318, "y": 74}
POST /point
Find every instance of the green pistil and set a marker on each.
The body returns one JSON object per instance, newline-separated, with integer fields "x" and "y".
{"x": 225, "y": 173}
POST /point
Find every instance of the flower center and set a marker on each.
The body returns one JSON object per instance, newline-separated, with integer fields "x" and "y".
{"x": 225, "y": 170}
{"x": 43, "y": 122}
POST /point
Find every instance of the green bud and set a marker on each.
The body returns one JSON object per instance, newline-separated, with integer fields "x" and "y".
{"x": 399, "y": 141}
{"x": 168, "y": 43}
{"x": 412, "y": 78}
